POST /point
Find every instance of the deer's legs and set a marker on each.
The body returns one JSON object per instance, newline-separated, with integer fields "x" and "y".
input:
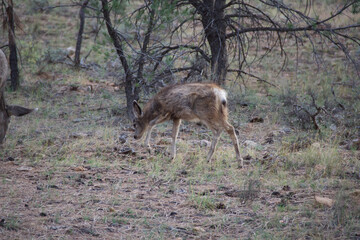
{"x": 213, "y": 144}
{"x": 159, "y": 119}
{"x": 148, "y": 136}
{"x": 231, "y": 131}
{"x": 175, "y": 132}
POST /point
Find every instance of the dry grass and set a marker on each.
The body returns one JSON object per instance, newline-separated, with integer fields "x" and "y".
{"x": 64, "y": 175}
{"x": 66, "y": 172}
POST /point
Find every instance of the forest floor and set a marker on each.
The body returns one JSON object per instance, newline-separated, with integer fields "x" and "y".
{"x": 72, "y": 170}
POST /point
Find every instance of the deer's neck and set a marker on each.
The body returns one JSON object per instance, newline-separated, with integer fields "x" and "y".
{"x": 152, "y": 110}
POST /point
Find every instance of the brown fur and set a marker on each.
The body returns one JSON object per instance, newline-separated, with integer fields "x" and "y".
{"x": 192, "y": 101}
{"x": 7, "y": 111}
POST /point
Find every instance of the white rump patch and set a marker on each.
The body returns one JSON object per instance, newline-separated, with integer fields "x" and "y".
{"x": 221, "y": 93}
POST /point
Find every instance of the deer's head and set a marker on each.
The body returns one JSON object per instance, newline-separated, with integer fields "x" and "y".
{"x": 139, "y": 122}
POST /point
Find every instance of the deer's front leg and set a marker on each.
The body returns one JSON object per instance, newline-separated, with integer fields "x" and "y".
{"x": 147, "y": 139}
{"x": 152, "y": 124}
{"x": 175, "y": 132}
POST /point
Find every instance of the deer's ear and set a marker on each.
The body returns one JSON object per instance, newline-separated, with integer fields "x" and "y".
{"x": 18, "y": 111}
{"x": 137, "y": 109}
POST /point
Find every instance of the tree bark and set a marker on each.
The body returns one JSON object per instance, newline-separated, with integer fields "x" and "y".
{"x": 131, "y": 91}
{"x": 13, "y": 61}
{"x": 214, "y": 24}
{"x": 80, "y": 33}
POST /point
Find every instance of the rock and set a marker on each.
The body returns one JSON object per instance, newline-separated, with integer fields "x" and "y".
{"x": 76, "y": 120}
{"x": 70, "y": 53}
{"x": 285, "y": 130}
{"x": 78, "y": 135}
{"x": 249, "y": 143}
{"x": 24, "y": 169}
{"x": 70, "y": 50}
{"x": 127, "y": 151}
{"x": 316, "y": 145}
{"x": 201, "y": 143}
{"x": 122, "y": 138}
{"x": 324, "y": 201}
{"x": 80, "y": 169}
{"x": 199, "y": 229}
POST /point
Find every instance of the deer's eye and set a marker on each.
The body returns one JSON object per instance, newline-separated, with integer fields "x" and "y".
{"x": 134, "y": 125}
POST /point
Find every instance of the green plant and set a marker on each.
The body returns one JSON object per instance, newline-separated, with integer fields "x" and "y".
{"x": 11, "y": 223}
{"x": 202, "y": 202}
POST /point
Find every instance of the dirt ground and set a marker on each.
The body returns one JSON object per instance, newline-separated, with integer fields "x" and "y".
{"x": 82, "y": 184}
{"x": 72, "y": 170}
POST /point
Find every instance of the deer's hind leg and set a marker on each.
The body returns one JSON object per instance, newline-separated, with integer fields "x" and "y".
{"x": 214, "y": 142}
{"x": 231, "y": 131}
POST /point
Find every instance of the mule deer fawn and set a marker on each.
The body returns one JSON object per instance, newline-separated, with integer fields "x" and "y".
{"x": 189, "y": 102}
{"x": 7, "y": 111}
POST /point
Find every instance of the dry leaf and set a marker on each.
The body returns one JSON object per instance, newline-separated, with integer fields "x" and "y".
{"x": 324, "y": 201}
{"x": 79, "y": 169}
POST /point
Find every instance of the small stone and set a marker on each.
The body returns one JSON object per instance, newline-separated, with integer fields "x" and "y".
{"x": 24, "y": 169}
{"x": 78, "y": 135}
{"x": 249, "y": 143}
{"x": 316, "y": 145}
{"x": 286, "y": 130}
{"x": 122, "y": 138}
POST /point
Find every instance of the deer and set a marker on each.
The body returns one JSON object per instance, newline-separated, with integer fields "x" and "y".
{"x": 6, "y": 111}
{"x": 204, "y": 102}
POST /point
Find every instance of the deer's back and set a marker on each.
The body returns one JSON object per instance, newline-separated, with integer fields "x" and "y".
{"x": 192, "y": 101}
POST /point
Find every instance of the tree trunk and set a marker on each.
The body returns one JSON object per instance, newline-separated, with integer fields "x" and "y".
{"x": 214, "y": 24}
{"x": 132, "y": 92}
{"x": 80, "y": 33}
{"x": 13, "y": 61}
